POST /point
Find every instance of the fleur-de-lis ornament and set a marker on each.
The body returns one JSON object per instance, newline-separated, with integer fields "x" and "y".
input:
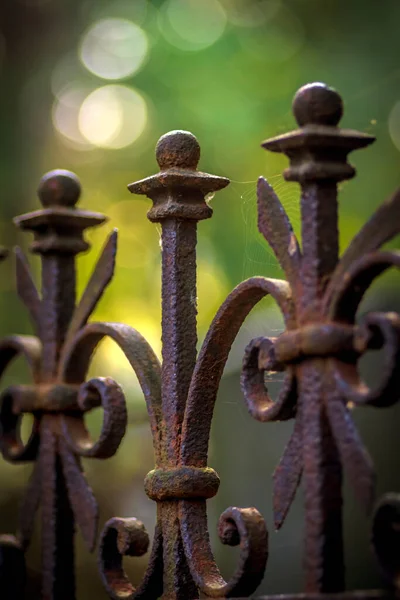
{"x": 181, "y": 562}
{"x": 59, "y": 357}
{"x": 322, "y": 343}
{"x": 318, "y": 352}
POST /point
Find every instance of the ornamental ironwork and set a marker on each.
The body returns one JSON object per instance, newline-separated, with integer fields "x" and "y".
{"x": 318, "y": 353}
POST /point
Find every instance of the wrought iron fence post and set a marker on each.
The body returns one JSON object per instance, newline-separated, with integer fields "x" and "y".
{"x": 318, "y": 153}
{"x": 178, "y": 193}
{"x": 57, "y": 399}
{"x": 58, "y": 230}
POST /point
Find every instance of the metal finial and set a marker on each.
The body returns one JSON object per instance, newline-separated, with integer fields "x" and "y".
{"x": 179, "y": 189}
{"x": 178, "y": 150}
{"x": 59, "y": 188}
{"x": 317, "y": 104}
{"x": 318, "y": 150}
{"x": 59, "y": 226}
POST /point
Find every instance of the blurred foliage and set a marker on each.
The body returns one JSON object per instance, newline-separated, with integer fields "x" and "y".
{"x": 90, "y": 85}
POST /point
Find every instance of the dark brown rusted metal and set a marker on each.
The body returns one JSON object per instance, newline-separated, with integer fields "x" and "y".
{"x": 59, "y": 358}
{"x": 321, "y": 346}
{"x": 318, "y": 354}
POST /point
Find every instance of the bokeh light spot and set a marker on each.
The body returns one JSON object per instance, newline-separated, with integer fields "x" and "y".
{"x": 394, "y": 125}
{"x": 65, "y": 115}
{"x": 112, "y": 116}
{"x": 114, "y": 48}
{"x": 192, "y": 25}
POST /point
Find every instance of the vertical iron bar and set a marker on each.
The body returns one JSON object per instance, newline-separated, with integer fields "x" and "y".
{"x": 58, "y": 565}
{"x": 58, "y": 292}
{"x": 58, "y": 298}
{"x": 58, "y": 230}
{"x": 179, "y": 332}
{"x": 320, "y": 242}
{"x": 318, "y": 161}
{"x": 179, "y": 336}
{"x": 178, "y": 193}
{"x": 323, "y": 556}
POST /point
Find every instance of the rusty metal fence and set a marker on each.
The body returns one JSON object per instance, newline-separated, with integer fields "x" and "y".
{"x": 318, "y": 354}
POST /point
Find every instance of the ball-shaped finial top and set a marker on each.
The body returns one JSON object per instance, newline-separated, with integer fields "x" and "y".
{"x": 59, "y": 188}
{"x": 317, "y": 104}
{"x": 179, "y": 150}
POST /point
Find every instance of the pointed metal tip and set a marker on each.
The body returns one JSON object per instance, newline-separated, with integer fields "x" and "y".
{"x": 262, "y": 183}
{"x": 278, "y": 521}
{"x": 114, "y": 234}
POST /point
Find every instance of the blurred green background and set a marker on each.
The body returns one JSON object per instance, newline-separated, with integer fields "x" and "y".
{"x": 90, "y": 85}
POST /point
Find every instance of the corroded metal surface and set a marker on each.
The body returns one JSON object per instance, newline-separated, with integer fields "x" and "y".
{"x": 59, "y": 397}
{"x": 317, "y": 353}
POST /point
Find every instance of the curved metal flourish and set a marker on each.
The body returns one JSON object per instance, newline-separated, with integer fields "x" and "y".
{"x": 77, "y": 356}
{"x": 11, "y": 444}
{"x": 114, "y": 423}
{"x": 73, "y": 369}
{"x": 128, "y": 537}
{"x": 214, "y": 354}
{"x": 379, "y": 229}
{"x": 237, "y": 526}
{"x": 339, "y": 304}
{"x": 258, "y": 360}
{"x": 250, "y": 529}
{"x": 342, "y": 300}
{"x": 375, "y": 331}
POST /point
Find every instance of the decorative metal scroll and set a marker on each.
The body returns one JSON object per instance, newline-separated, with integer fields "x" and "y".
{"x": 318, "y": 353}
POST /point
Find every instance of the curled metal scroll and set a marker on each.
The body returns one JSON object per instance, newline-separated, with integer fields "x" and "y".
{"x": 256, "y": 362}
{"x": 12, "y": 446}
{"x": 214, "y": 354}
{"x": 114, "y": 421}
{"x": 242, "y": 527}
{"x": 376, "y": 330}
{"x": 77, "y": 357}
{"x": 246, "y": 525}
{"x": 128, "y": 537}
